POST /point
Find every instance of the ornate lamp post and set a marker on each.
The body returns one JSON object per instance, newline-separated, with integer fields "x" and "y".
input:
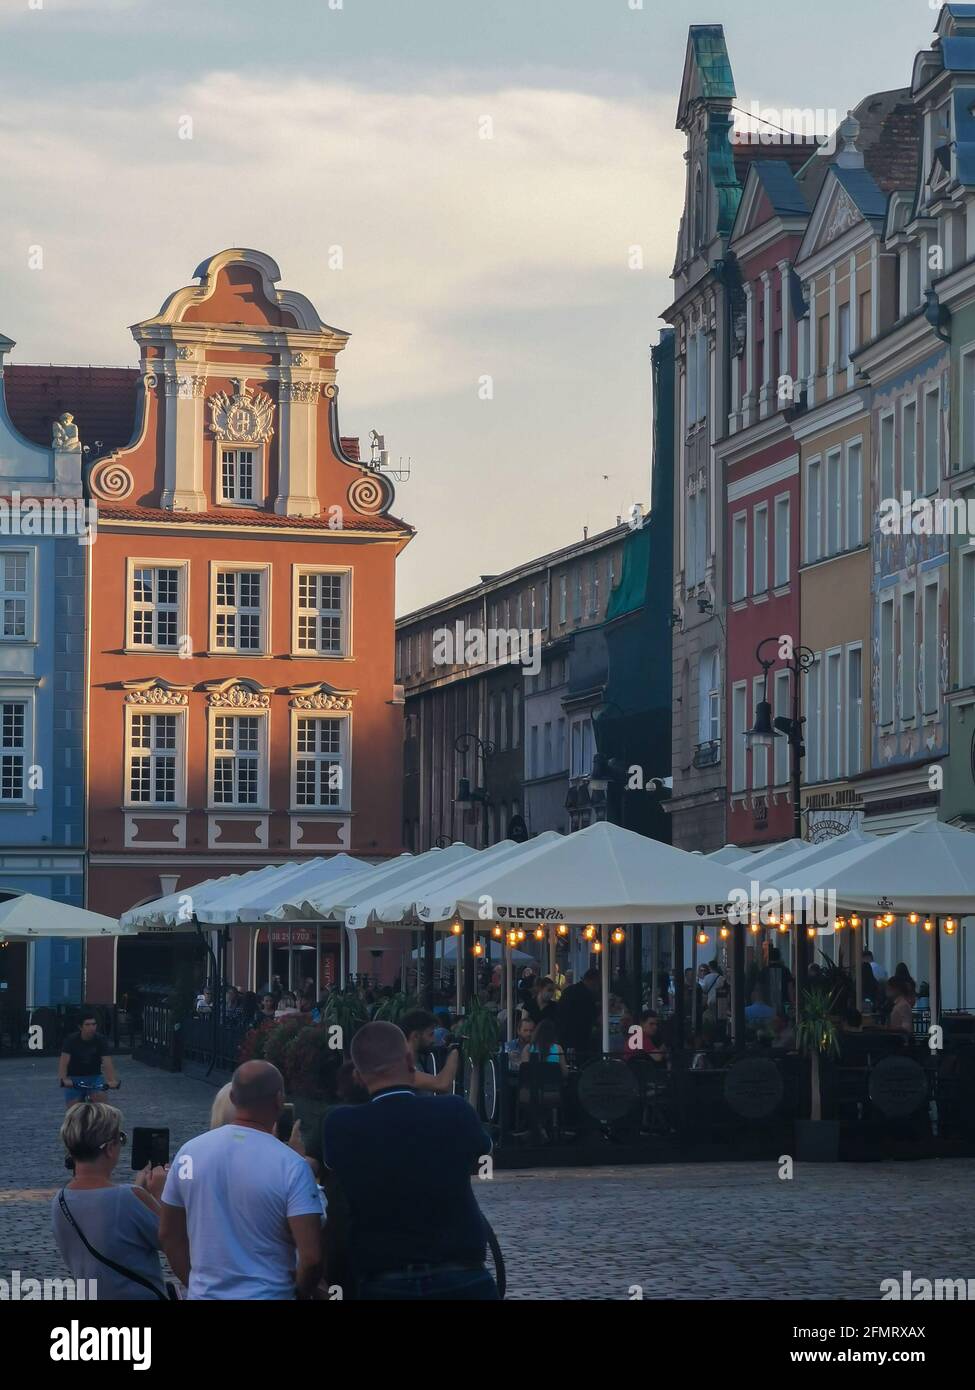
{"x": 767, "y": 727}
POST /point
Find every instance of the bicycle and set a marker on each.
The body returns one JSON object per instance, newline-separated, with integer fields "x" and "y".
{"x": 84, "y": 1089}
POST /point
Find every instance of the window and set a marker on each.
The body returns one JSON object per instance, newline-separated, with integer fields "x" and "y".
{"x": 967, "y": 453}
{"x": 237, "y": 759}
{"x": 759, "y": 755}
{"x": 865, "y": 318}
{"x": 16, "y": 623}
{"x": 739, "y": 557}
{"x": 692, "y": 577}
{"x": 782, "y": 540}
{"x": 703, "y": 375}
{"x": 13, "y": 750}
{"x": 887, "y": 661}
{"x": 154, "y": 775}
{"x": 320, "y": 758}
{"x": 691, "y": 379}
{"x": 854, "y": 495}
{"x": 813, "y": 510}
{"x": 503, "y": 722}
{"x": 739, "y": 716}
{"x": 237, "y": 610}
{"x": 515, "y": 717}
{"x": 582, "y": 748}
{"x": 887, "y": 483}
{"x": 932, "y": 440}
{"x": 781, "y": 709}
{"x": 321, "y": 612}
{"x": 577, "y": 594}
{"x": 563, "y": 598}
{"x": 843, "y": 336}
{"x": 155, "y": 601}
{"x": 534, "y": 768}
{"x": 909, "y": 447}
{"x": 698, "y": 209}
{"x": 813, "y": 727}
{"x": 967, "y": 658}
{"x": 931, "y": 652}
{"x": 560, "y": 748}
{"x": 240, "y": 477}
{"x": 854, "y": 711}
{"x": 834, "y": 503}
{"x": 760, "y": 549}
{"x": 908, "y": 656}
{"x": 594, "y": 590}
{"x": 833, "y": 716}
{"x": 709, "y": 698}
{"x": 547, "y": 767}
{"x": 545, "y": 604}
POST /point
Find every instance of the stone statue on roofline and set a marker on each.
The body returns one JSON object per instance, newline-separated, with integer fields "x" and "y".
{"x": 64, "y": 435}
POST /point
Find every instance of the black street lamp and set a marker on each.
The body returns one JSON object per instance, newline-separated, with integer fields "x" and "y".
{"x": 468, "y": 796}
{"x": 767, "y": 727}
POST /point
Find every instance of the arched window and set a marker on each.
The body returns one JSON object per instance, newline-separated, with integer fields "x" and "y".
{"x": 698, "y": 210}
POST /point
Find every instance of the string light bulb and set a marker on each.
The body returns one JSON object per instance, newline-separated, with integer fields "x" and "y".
{"x": 928, "y": 924}
{"x": 478, "y": 949}
{"x": 854, "y": 921}
{"x": 497, "y": 932}
{"x": 724, "y": 931}
{"x": 597, "y": 946}
{"x": 589, "y": 932}
{"x": 561, "y": 930}
{"x": 702, "y": 938}
{"x": 539, "y": 933}
{"x": 811, "y": 933}
{"x": 457, "y": 928}
{"x": 889, "y": 919}
{"x": 840, "y": 923}
{"x": 754, "y": 928}
{"x": 520, "y": 933}
{"x": 619, "y": 936}
{"x": 913, "y": 918}
{"x": 950, "y": 925}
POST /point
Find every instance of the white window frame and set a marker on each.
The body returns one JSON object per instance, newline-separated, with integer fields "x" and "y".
{"x": 257, "y": 501}
{"x": 966, "y": 611}
{"x": 739, "y": 557}
{"x": 834, "y": 740}
{"x": 833, "y": 483}
{"x": 28, "y": 595}
{"x": 238, "y": 567}
{"x": 908, "y": 655}
{"x": 228, "y": 807}
{"x": 179, "y": 781}
{"x": 813, "y": 728}
{"x": 888, "y": 663}
{"x": 563, "y": 599}
{"x": 887, "y": 472}
{"x": 930, "y": 486}
{"x": 760, "y": 565}
{"x": 783, "y": 550}
{"x": 709, "y": 697}
{"x": 343, "y": 805}
{"x": 781, "y": 707}
{"x": 739, "y": 727}
{"x": 931, "y": 651}
{"x": 966, "y": 374}
{"x": 854, "y": 496}
{"x": 854, "y": 713}
{"x": 19, "y": 695}
{"x": 182, "y": 568}
{"x": 345, "y": 611}
{"x": 908, "y": 478}
{"x": 814, "y": 515}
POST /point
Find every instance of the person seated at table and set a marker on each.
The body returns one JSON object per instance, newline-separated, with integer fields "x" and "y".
{"x": 758, "y": 1012}
{"x": 522, "y": 1040}
{"x": 645, "y": 1041}
{"x": 545, "y": 1044}
{"x": 900, "y": 997}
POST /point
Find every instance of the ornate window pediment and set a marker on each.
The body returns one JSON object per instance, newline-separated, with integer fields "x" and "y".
{"x": 320, "y": 696}
{"x": 155, "y": 691}
{"x": 238, "y": 693}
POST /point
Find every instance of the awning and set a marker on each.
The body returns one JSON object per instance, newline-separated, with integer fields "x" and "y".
{"x": 252, "y": 900}
{"x": 330, "y": 902}
{"x": 28, "y": 917}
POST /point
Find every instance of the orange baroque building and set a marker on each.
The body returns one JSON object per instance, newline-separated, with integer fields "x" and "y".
{"x": 242, "y": 708}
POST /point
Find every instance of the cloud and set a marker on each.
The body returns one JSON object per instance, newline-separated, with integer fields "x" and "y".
{"x": 78, "y": 13}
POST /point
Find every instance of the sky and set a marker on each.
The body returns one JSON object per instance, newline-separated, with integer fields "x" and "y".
{"x": 502, "y": 179}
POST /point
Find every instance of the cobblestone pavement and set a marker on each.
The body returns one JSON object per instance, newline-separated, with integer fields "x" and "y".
{"x": 690, "y": 1231}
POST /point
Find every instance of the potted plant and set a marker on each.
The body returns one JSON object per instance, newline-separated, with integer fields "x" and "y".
{"x": 477, "y": 1033}
{"x": 391, "y": 1010}
{"x": 817, "y": 1037}
{"x": 346, "y": 1011}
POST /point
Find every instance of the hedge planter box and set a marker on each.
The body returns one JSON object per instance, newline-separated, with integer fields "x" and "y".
{"x": 817, "y": 1141}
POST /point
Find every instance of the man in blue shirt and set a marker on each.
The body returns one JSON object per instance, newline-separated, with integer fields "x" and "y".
{"x": 404, "y": 1162}
{"x": 758, "y": 1011}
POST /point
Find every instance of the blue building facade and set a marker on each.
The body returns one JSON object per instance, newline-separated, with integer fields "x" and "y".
{"x": 44, "y": 550}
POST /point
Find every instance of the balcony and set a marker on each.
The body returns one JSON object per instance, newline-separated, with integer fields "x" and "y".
{"x": 707, "y": 754}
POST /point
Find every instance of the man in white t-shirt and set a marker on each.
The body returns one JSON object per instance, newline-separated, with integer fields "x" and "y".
{"x": 238, "y": 1204}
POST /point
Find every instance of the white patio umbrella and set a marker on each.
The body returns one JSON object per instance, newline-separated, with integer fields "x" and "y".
{"x": 249, "y": 901}
{"x": 29, "y": 917}
{"x": 728, "y": 854}
{"x": 180, "y": 906}
{"x": 329, "y": 901}
{"x": 601, "y": 875}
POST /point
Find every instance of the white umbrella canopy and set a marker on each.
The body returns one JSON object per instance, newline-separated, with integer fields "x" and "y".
{"x": 602, "y": 874}
{"x": 248, "y": 902}
{"x": 729, "y": 854}
{"x": 816, "y": 854}
{"x": 27, "y": 917}
{"x": 175, "y": 907}
{"x": 928, "y": 868}
{"x": 396, "y": 904}
{"x": 785, "y": 849}
{"x": 331, "y": 901}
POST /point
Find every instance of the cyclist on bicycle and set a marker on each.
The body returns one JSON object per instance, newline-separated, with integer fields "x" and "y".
{"x": 84, "y": 1065}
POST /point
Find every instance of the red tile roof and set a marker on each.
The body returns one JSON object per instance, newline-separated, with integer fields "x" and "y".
{"x": 350, "y": 445}
{"x": 101, "y": 399}
{"x": 233, "y": 516}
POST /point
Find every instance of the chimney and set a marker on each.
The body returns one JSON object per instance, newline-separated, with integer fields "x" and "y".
{"x": 350, "y": 445}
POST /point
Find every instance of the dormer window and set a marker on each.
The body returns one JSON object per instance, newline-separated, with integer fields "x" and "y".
{"x": 240, "y": 477}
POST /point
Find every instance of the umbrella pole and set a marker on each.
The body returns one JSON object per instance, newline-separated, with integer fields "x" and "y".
{"x": 509, "y": 1016}
{"x": 934, "y": 971}
{"x": 428, "y": 950}
{"x": 552, "y": 949}
{"x": 678, "y": 973}
{"x": 655, "y": 967}
{"x": 856, "y": 961}
{"x": 342, "y": 961}
{"x": 604, "y": 983}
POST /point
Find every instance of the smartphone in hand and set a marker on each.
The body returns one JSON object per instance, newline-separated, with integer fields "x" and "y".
{"x": 149, "y": 1145}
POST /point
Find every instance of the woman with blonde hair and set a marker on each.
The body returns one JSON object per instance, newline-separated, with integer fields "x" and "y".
{"x": 222, "y": 1111}
{"x": 107, "y": 1233}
